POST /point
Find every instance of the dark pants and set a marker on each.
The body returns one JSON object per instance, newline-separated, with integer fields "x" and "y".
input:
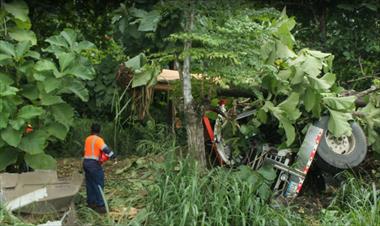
{"x": 94, "y": 178}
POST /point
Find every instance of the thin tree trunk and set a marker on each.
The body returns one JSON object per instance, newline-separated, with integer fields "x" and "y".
{"x": 194, "y": 127}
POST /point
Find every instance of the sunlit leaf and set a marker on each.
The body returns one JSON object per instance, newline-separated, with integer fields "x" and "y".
{"x": 339, "y": 123}
{"x": 29, "y": 111}
{"x": 324, "y": 83}
{"x": 7, "y": 48}
{"x": 340, "y": 103}
{"x": 149, "y": 21}
{"x": 289, "y": 106}
{"x": 41, "y": 161}
{"x": 19, "y": 9}
{"x": 34, "y": 143}
{"x": 11, "y": 136}
{"x": 312, "y": 66}
{"x": 63, "y": 113}
{"x": 21, "y": 35}
{"x": 69, "y": 35}
{"x": 58, "y": 130}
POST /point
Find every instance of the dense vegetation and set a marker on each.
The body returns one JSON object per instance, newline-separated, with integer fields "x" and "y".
{"x": 66, "y": 65}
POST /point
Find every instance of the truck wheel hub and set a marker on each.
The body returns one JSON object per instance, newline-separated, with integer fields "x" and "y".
{"x": 340, "y": 145}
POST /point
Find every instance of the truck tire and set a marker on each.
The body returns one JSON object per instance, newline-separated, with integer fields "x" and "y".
{"x": 336, "y": 154}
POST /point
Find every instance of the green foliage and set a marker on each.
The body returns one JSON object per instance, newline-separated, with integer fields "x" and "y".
{"x": 32, "y": 89}
{"x": 371, "y": 121}
{"x": 337, "y": 31}
{"x": 356, "y": 203}
{"x": 144, "y": 73}
{"x": 155, "y": 139}
{"x": 144, "y": 26}
{"x": 255, "y": 49}
{"x": 15, "y": 23}
{"x": 183, "y": 195}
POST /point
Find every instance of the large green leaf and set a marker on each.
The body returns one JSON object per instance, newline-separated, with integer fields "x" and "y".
{"x": 309, "y": 100}
{"x": 298, "y": 76}
{"x": 371, "y": 114}
{"x": 78, "y": 89}
{"x": 318, "y": 54}
{"x": 290, "y": 131}
{"x": 312, "y": 66}
{"x": 48, "y": 99}
{"x": 21, "y": 35}
{"x": 83, "y": 45}
{"x": 57, "y": 130}
{"x": 267, "y": 172}
{"x": 245, "y": 173}
{"x": 285, "y": 25}
{"x": 21, "y": 49}
{"x": 6, "y": 79}
{"x": 264, "y": 191}
{"x": 70, "y": 36}
{"x": 339, "y": 123}
{"x": 29, "y": 91}
{"x": 34, "y": 143}
{"x": 33, "y": 54}
{"x": 57, "y": 40}
{"x": 135, "y": 62}
{"x": 65, "y": 60}
{"x": 7, "y": 157}
{"x": 340, "y": 103}
{"x": 19, "y": 9}
{"x": 51, "y": 84}
{"x": 5, "y": 59}
{"x": 149, "y": 21}
{"x": 81, "y": 71}
{"x": 7, "y": 48}
{"x": 18, "y": 124}
{"x": 283, "y": 51}
{"x": 29, "y": 111}
{"x": 63, "y": 113}
{"x": 45, "y": 65}
{"x": 7, "y": 90}
{"x": 289, "y": 106}
{"x": 324, "y": 83}
{"x": 285, "y": 74}
{"x": 4, "y": 116}
{"x": 11, "y": 136}
{"x": 41, "y": 161}
{"x": 141, "y": 79}
{"x": 26, "y": 25}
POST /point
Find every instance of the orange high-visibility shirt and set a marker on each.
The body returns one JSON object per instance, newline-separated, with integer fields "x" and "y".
{"x": 93, "y": 147}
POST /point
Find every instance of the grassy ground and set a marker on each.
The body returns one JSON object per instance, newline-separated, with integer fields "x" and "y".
{"x": 154, "y": 190}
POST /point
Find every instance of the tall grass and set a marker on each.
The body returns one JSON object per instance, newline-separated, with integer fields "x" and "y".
{"x": 184, "y": 195}
{"x": 7, "y": 218}
{"x": 356, "y": 203}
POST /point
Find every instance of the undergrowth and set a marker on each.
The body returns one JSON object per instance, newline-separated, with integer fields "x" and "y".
{"x": 356, "y": 203}
{"x": 185, "y": 195}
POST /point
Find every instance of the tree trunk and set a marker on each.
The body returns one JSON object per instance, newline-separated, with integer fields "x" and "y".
{"x": 194, "y": 127}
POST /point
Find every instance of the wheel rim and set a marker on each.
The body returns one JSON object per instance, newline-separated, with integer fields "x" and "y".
{"x": 343, "y": 145}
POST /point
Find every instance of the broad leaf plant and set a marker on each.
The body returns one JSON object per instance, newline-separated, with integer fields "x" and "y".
{"x": 33, "y": 84}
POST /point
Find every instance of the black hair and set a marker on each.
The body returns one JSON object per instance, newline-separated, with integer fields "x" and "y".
{"x": 95, "y": 128}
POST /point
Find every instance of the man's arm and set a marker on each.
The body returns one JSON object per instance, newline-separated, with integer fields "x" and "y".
{"x": 108, "y": 151}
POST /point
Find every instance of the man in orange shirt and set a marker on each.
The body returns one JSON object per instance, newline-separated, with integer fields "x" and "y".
{"x": 94, "y": 148}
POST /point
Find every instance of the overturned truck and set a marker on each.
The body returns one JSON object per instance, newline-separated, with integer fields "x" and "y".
{"x": 320, "y": 149}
